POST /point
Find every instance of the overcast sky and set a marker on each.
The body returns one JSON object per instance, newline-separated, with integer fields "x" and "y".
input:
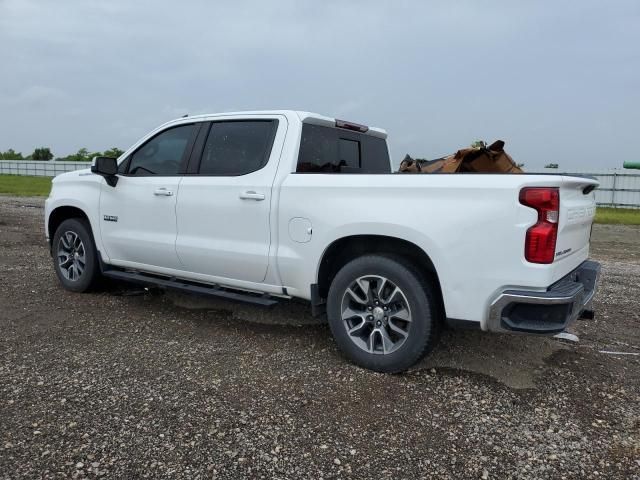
{"x": 557, "y": 80}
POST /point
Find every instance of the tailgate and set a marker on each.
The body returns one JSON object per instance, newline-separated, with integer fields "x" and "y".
{"x": 577, "y": 210}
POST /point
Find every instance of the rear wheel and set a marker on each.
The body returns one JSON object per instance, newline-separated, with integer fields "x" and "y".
{"x": 383, "y": 315}
{"x": 75, "y": 258}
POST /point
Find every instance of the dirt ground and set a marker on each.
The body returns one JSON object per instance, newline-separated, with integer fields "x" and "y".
{"x": 127, "y": 383}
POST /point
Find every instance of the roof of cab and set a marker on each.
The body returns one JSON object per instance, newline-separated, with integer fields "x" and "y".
{"x": 305, "y": 117}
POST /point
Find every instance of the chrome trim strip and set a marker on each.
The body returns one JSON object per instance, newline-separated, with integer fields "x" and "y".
{"x": 494, "y": 323}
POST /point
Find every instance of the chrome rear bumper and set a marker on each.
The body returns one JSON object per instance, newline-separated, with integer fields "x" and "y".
{"x": 546, "y": 312}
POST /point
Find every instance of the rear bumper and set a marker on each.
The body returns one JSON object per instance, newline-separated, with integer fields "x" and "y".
{"x": 546, "y": 312}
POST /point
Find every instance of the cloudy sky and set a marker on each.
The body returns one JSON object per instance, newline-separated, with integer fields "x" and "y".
{"x": 557, "y": 80}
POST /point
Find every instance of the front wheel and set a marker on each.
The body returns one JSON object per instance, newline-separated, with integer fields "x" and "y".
{"x": 383, "y": 315}
{"x": 75, "y": 258}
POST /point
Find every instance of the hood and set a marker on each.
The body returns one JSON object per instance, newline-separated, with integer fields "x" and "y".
{"x": 67, "y": 176}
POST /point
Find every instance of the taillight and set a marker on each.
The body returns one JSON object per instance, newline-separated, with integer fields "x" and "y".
{"x": 540, "y": 243}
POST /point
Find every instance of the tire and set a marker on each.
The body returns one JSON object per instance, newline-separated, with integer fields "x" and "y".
{"x": 75, "y": 258}
{"x": 359, "y": 324}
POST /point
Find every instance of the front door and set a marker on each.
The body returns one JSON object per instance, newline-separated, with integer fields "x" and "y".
{"x": 138, "y": 215}
{"x": 224, "y": 205}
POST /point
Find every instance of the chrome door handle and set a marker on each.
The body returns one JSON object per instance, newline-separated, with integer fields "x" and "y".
{"x": 252, "y": 195}
{"x": 163, "y": 192}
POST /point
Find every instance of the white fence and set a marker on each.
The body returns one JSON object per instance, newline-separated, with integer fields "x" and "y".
{"x": 38, "y": 168}
{"x": 618, "y": 188}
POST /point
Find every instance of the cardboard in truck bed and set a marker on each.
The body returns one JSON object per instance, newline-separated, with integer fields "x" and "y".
{"x": 491, "y": 159}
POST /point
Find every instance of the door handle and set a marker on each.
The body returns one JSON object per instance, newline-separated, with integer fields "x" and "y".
{"x": 162, "y": 191}
{"x": 252, "y": 195}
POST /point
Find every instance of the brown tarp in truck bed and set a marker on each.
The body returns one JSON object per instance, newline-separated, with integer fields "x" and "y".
{"x": 491, "y": 159}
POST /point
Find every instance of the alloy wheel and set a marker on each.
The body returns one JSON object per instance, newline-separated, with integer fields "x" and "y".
{"x": 376, "y": 314}
{"x": 71, "y": 256}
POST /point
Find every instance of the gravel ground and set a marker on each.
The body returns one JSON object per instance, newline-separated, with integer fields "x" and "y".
{"x": 126, "y": 383}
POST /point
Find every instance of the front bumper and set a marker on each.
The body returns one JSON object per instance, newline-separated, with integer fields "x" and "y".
{"x": 546, "y": 312}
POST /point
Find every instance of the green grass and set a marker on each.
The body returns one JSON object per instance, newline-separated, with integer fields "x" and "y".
{"x": 23, "y": 186}
{"x": 623, "y": 216}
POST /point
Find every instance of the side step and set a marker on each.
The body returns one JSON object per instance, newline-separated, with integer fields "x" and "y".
{"x": 199, "y": 289}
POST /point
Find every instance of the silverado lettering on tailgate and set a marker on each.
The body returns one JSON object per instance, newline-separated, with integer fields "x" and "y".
{"x": 563, "y": 252}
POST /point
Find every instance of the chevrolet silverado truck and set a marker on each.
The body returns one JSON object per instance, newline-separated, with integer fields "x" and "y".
{"x": 266, "y": 206}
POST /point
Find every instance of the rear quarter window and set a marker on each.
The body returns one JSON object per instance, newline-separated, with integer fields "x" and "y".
{"x": 336, "y": 150}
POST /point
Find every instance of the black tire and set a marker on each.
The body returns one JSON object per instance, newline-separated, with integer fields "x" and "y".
{"x": 89, "y": 268}
{"x": 418, "y": 294}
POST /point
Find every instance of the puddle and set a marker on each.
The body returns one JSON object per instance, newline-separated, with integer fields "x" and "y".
{"x": 516, "y": 361}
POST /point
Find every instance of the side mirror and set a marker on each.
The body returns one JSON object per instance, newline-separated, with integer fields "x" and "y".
{"x": 106, "y": 167}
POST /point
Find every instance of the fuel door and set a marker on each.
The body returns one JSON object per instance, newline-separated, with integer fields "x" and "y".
{"x": 300, "y": 229}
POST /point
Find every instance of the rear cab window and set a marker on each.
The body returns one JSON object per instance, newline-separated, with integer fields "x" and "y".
{"x": 337, "y": 150}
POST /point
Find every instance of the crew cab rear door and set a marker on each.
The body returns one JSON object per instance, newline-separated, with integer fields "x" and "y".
{"x": 224, "y": 204}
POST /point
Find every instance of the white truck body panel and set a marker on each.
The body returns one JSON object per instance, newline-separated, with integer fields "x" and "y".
{"x": 469, "y": 228}
{"x": 267, "y": 231}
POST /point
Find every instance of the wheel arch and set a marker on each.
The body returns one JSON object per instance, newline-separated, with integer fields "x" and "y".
{"x": 345, "y": 249}
{"x": 62, "y": 213}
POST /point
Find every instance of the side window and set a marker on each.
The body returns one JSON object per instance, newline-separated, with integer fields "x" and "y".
{"x": 162, "y": 155}
{"x": 335, "y": 150}
{"x": 237, "y": 147}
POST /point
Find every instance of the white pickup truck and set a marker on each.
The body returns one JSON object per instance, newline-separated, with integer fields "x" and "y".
{"x": 263, "y": 206}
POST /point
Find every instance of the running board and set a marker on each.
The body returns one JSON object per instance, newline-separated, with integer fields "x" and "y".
{"x": 264, "y": 300}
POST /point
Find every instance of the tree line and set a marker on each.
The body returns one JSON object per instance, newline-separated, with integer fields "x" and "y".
{"x": 44, "y": 153}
